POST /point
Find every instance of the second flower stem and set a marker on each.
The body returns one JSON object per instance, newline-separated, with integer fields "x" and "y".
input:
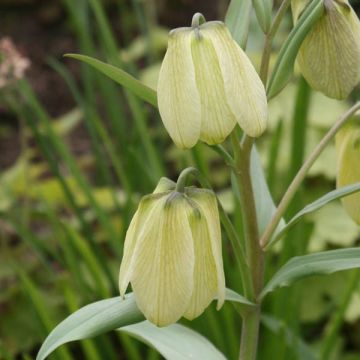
{"x": 254, "y": 253}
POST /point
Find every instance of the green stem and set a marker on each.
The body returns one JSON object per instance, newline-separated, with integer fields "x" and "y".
{"x": 254, "y": 253}
{"x": 300, "y": 176}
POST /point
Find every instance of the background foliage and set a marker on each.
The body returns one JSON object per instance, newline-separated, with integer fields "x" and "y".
{"x": 77, "y": 152}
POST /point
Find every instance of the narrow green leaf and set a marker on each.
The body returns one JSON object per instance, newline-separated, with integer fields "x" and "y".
{"x": 265, "y": 207}
{"x": 175, "y": 342}
{"x": 326, "y": 262}
{"x": 293, "y": 341}
{"x": 285, "y": 62}
{"x": 263, "y": 13}
{"x": 316, "y": 205}
{"x": 121, "y": 77}
{"x": 231, "y": 295}
{"x": 237, "y": 19}
{"x": 91, "y": 320}
{"x": 102, "y": 316}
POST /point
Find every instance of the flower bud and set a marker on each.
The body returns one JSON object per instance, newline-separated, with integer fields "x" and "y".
{"x": 348, "y": 171}
{"x": 329, "y": 57}
{"x": 172, "y": 255}
{"x": 206, "y": 85}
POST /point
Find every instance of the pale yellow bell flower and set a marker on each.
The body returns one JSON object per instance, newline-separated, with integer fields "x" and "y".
{"x": 348, "y": 168}
{"x": 206, "y": 85}
{"x": 172, "y": 255}
{"x": 329, "y": 57}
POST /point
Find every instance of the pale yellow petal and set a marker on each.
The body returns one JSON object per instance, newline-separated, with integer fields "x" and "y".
{"x": 244, "y": 90}
{"x": 137, "y": 222}
{"x": 178, "y": 97}
{"x": 217, "y": 120}
{"x": 348, "y": 172}
{"x": 329, "y": 56}
{"x": 205, "y": 272}
{"x": 163, "y": 185}
{"x": 162, "y": 279}
{"x": 207, "y": 202}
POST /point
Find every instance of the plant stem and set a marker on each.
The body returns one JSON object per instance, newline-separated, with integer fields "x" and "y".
{"x": 300, "y": 176}
{"x": 254, "y": 253}
{"x": 264, "y": 67}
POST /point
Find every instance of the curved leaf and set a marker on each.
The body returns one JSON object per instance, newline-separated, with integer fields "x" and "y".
{"x": 102, "y": 316}
{"x": 326, "y": 262}
{"x": 285, "y": 62}
{"x": 91, "y": 320}
{"x": 237, "y": 19}
{"x": 319, "y": 203}
{"x": 263, "y": 13}
{"x": 174, "y": 342}
{"x": 121, "y": 77}
{"x": 231, "y": 295}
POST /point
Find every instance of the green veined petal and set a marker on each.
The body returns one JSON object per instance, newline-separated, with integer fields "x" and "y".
{"x": 348, "y": 172}
{"x": 217, "y": 120}
{"x": 137, "y": 222}
{"x": 205, "y": 273}
{"x": 207, "y": 202}
{"x": 329, "y": 56}
{"x": 178, "y": 97}
{"x": 162, "y": 279}
{"x": 244, "y": 90}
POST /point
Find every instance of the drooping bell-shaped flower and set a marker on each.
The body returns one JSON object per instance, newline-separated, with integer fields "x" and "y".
{"x": 329, "y": 57}
{"x": 348, "y": 168}
{"x": 172, "y": 254}
{"x": 206, "y": 85}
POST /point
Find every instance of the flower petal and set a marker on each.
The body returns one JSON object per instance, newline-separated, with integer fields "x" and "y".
{"x": 329, "y": 56}
{"x": 137, "y": 222}
{"x": 207, "y": 203}
{"x": 162, "y": 279}
{"x": 205, "y": 273}
{"x": 244, "y": 90}
{"x": 348, "y": 172}
{"x": 217, "y": 120}
{"x": 178, "y": 97}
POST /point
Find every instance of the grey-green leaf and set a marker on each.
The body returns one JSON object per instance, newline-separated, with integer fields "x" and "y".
{"x": 319, "y": 203}
{"x": 91, "y": 320}
{"x": 121, "y": 77}
{"x": 102, "y": 316}
{"x": 326, "y": 262}
{"x": 265, "y": 207}
{"x": 231, "y": 295}
{"x": 263, "y": 13}
{"x": 285, "y": 61}
{"x": 237, "y": 19}
{"x": 174, "y": 342}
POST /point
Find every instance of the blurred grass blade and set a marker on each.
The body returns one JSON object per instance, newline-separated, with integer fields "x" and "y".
{"x": 175, "y": 342}
{"x": 326, "y": 262}
{"x": 265, "y": 207}
{"x": 316, "y": 205}
{"x": 263, "y": 13}
{"x": 285, "y": 62}
{"x": 292, "y": 340}
{"x": 121, "y": 77}
{"x": 92, "y": 320}
{"x": 237, "y": 20}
